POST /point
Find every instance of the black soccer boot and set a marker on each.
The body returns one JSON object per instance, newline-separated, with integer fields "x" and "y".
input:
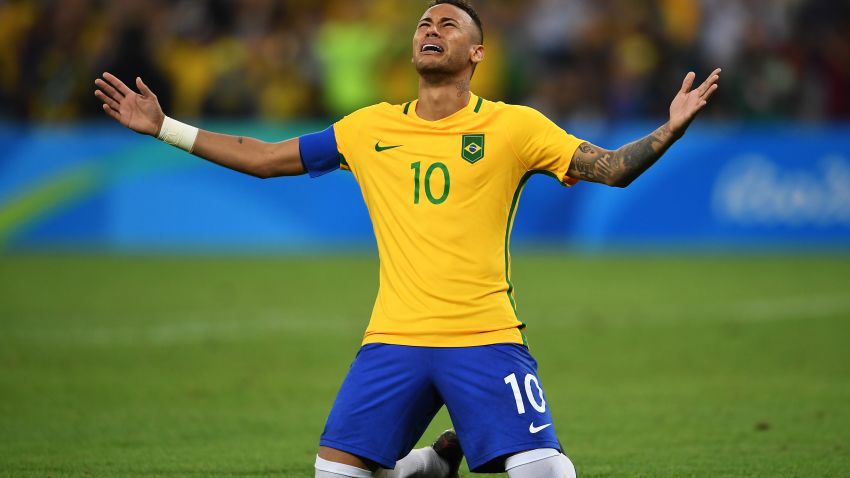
{"x": 448, "y": 448}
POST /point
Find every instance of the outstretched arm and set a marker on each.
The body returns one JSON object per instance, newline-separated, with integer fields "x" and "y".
{"x": 622, "y": 166}
{"x": 141, "y": 113}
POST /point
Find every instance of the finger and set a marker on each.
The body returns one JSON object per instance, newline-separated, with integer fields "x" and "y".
{"x": 118, "y": 84}
{"x": 702, "y": 103}
{"x": 107, "y": 100}
{"x": 710, "y": 92}
{"x": 143, "y": 87}
{"x": 688, "y": 82}
{"x": 114, "y": 114}
{"x": 712, "y": 79}
{"x": 109, "y": 90}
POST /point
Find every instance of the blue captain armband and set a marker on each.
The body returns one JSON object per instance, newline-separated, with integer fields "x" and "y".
{"x": 318, "y": 152}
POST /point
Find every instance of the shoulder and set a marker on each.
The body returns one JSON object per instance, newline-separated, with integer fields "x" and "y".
{"x": 518, "y": 112}
{"x": 374, "y": 111}
{"x": 521, "y": 122}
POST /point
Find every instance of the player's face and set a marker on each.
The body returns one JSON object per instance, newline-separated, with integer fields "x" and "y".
{"x": 446, "y": 42}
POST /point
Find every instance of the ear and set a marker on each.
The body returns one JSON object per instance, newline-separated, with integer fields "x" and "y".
{"x": 476, "y": 54}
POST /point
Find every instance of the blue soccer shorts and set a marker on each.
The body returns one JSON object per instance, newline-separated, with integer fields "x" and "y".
{"x": 392, "y": 392}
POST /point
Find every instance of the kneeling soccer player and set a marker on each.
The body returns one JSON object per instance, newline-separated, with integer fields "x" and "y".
{"x": 441, "y": 177}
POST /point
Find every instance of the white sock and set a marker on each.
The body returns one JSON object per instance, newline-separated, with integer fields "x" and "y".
{"x": 330, "y": 469}
{"x": 419, "y": 463}
{"x": 541, "y": 463}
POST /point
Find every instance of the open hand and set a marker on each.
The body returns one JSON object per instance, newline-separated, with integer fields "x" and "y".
{"x": 139, "y": 112}
{"x": 688, "y": 103}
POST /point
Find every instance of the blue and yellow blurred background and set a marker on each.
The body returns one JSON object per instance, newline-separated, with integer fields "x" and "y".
{"x": 766, "y": 166}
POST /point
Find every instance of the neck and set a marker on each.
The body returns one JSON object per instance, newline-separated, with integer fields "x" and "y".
{"x": 438, "y": 100}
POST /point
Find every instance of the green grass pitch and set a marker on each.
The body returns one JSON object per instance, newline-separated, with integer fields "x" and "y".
{"x": 227, "y": 367}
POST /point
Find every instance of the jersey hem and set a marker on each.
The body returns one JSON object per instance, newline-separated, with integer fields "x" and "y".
{"x": 566, "y": 180}
{"x": 509, "y": 336}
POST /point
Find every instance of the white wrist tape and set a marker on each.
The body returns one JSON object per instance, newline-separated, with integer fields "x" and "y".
{"x": 178, "y": 134}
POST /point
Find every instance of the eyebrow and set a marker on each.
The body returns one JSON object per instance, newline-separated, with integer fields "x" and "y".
{"x": 442, "y": 20}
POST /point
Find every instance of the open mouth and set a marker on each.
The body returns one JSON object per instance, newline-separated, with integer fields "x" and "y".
{"x": 431, "y": 48}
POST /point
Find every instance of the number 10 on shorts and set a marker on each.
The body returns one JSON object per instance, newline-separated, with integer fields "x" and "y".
{"x": 529, "y": 379}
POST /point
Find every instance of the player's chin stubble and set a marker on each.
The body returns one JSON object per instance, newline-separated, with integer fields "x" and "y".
{"x": 436, "y": 72}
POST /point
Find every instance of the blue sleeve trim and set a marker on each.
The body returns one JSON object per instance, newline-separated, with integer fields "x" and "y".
{"x": 319, "y": 153}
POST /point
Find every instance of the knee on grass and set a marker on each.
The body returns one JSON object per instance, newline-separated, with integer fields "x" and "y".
{"x": 540, "y": 463}
{"x": 331, "y": 469}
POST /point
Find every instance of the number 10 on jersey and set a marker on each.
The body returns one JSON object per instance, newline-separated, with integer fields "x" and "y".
{"x": 538, "y": 403}
{"x": 429, "y": 193}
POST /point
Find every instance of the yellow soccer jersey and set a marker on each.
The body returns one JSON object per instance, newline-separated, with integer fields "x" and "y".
{"x": 442, "y": 197}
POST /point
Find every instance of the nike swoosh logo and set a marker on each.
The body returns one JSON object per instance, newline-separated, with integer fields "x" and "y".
{"x": 533, "y": 429}
{"x": 380, "y": 148}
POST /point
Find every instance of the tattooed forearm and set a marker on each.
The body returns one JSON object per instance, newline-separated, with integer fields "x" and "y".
{"x": 589, "y": 165}
{"x": 621, "y": 167}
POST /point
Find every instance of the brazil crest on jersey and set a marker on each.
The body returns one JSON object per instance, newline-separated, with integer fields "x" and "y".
{"x": 442, "y": 196}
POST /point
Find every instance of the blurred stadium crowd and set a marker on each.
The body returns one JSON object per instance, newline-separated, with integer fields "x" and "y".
{"x": 284, "y": 59}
